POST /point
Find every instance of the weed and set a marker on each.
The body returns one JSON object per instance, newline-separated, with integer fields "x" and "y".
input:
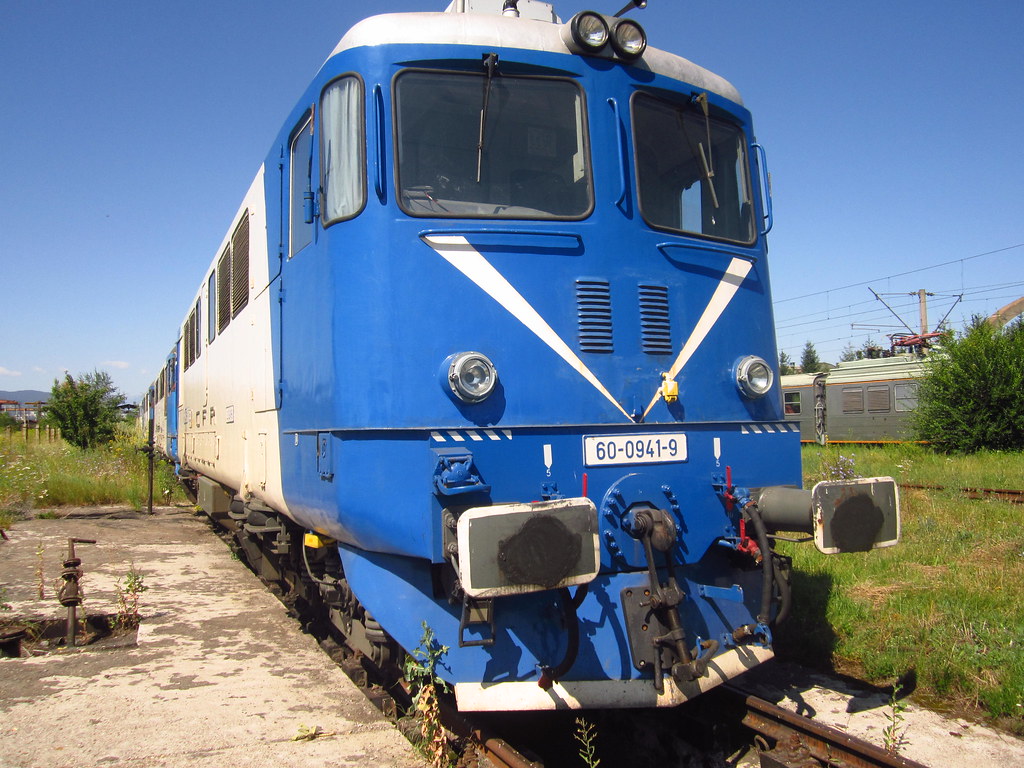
{"x": 4, "y": 605}
{"x": 586, "y": 734}
{"x": 421, "y": 672}
{"x": 838, "y": 466}
{"x": 310, "y": 732}
{"x": 128, "y": 598}
{"x": 56, "y": 474}
{"x": 40, "y": 574}
{"x": 894, "y": 734}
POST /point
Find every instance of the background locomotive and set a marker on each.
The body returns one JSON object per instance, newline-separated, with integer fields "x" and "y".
{"x": 858, "y": 401}
{"x": 486, "y": 348}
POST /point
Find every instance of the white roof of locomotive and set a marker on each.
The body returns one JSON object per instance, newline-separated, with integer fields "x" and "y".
{"x": 878, "y": 369}
{"x": 492, "y": 31}
{"x": 791, "y": 380}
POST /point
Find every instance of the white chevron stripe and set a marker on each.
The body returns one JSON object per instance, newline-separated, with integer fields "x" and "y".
{"x": 470, "y": 262}
{"x": 734, "y": 275}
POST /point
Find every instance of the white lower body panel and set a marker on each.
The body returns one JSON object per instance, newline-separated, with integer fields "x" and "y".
{"x": 606, "y": 694}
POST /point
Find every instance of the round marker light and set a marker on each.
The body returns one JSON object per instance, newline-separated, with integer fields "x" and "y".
{"x": 629, "y": 40}
{"x": 471, "y": 376}
{"x": 589, "y": 31}
{"x": 754, "y": 376}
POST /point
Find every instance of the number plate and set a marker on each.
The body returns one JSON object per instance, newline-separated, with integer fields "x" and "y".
{"x": 650, "y": 448}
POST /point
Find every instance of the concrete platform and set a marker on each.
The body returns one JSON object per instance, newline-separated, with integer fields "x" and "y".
{"x": 219, "y": 675}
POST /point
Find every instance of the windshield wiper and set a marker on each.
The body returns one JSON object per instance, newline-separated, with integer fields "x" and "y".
{"x": 490, "y": 64}
{"x": 706, "y": 161}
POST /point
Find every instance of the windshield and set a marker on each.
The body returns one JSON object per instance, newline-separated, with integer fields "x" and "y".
{"x": 691, "y": 170}
{"x": 491, "y": 146}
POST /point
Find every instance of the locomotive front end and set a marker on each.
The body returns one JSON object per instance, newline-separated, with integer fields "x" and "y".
{"x": 546, "y": 420}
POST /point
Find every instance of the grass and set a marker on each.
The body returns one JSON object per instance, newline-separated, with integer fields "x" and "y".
{"x": 916, "y": 464}
{"x": 942, "y": 612}
{"x": 54, "y": 474}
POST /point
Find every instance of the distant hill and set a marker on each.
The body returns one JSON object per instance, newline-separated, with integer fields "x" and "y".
{"x": 25, "y": 395}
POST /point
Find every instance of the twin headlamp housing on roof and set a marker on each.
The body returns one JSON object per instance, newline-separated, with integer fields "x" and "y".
{"x": 595, "y": 34}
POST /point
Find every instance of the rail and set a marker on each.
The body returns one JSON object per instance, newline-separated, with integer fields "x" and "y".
{"x": 497, "y": 750}
{"x": 793, "y": 739}
{"x": 1010, "y": 495}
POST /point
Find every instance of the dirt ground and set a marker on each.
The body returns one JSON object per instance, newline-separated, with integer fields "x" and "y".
{"x": 218, "y": 675}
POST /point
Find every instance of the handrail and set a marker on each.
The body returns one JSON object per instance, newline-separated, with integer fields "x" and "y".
{"x": 378, "y": 130}
{"x": 620, "y": 140}
{"x": 425, "y": 233}
{"x": 719, "y": 251}
{"x": 766, "y": 186}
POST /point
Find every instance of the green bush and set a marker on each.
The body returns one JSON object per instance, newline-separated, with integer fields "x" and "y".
{"x": 972, "y": 395}
{"x": 86, "y": 408}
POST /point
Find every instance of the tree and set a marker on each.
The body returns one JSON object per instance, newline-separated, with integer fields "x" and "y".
{"x": 785, "y": 363}
{"x": 870, "y": 350}
{"x": 972, "y": 395}
{"x": 86, "y": 408}
{"x": 809, "y": 361}
{"x": 850, "y": 353}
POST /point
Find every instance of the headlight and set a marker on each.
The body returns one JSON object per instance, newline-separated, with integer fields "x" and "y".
{"x": 471, "y": 376}
{"x": 754, "y": 376}
{"x": 589, "y": 31}
{"x": 629, "y": 39}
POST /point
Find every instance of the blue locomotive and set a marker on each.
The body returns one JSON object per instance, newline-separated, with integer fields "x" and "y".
{"x": 488, "y": 346}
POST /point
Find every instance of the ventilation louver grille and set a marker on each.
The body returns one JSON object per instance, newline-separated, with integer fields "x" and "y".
{"x": 656, "y": 330}
{"x": 240, "y": 266}
{"x": 594, "y": 310}
{"x": 224, "y": 290}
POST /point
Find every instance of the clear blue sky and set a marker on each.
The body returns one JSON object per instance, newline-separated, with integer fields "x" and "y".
{"x": 130, "y": 131}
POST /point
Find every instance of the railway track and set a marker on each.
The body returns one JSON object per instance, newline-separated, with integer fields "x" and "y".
{"x": 777, "y": 737}
{"x": 1003, "y": 494}
{"x": 781, "y": 739}
{"x": 786, "y": 739}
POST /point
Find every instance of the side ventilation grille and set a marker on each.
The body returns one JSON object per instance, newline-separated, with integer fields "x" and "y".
{"x": 594, "y": 310}
{"x": 240, "y": 265}
{"x": 656, "y": 331}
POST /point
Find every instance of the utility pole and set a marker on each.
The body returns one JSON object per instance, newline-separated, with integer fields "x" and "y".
{"x": 922, "y": 302}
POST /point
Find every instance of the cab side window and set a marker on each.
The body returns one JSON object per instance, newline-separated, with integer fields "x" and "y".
{"x": 342, "y": 185}
{"x": 300, "y": 232}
